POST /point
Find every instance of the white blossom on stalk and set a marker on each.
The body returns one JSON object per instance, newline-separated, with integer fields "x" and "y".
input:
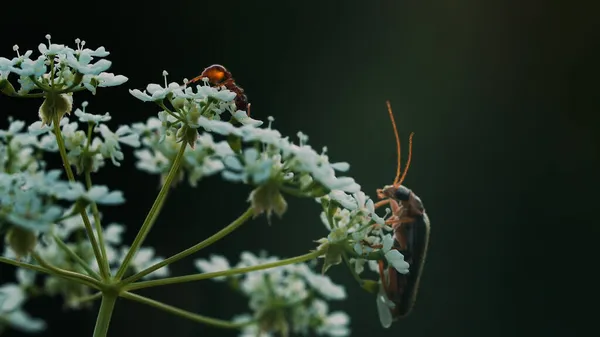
{"x": 295, "y": 291}
{"x": 145, "y": 258}
{"x": 110, "y": 148}
{"x": 73, "y": 68}
{"x": 98, "y": 194}
{"x": 12, "y": 298}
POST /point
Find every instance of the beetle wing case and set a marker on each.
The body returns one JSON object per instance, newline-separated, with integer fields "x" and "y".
{"x": 404, "y": 294}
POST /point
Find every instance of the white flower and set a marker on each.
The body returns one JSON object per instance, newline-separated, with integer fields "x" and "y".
{"x": 384, "y": 304}
{"x": 154, "y": 92}
{"x": 393, "y": 256}
{"x": 266, "y": 136}
{"x": 97, "y": 194}
{"x": 293, "y": 290}
{"x": 325, "y": 286}
{"x": 214, "y": 264}
{"x": 144, "y": 259}
{"x": 344, "y": 199}
{"x": 69, "y": 224}
{"x": 367, "y": 206}
{"x": 31, "y": 68}
{"x": 13, "y": 129}
{"x": 250, "y": 330}
{"x": 83, "y": 65}
{"x": 222, "y": 128}
{"x": 151, "y": 161}
{"x": 112, "y": 233}
{"x": 38, "y": 128}
{"x": 256, "y": 167}
{"x": 332, "y": 324}
{"x": 12, "y": 297}
{"x": 110, "y": 79}
{"x": 30, "y": 211}
{"x": 243, "y": 118}
{"x": 54, "y": 49}
{"x": 85, "y": 117}
{"x": 110, "y": 148}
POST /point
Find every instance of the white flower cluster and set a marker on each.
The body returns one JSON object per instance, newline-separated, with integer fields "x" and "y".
{"x": 34, "y": 200}
{"x": 353, "y": 220}
{"x": 29, "y": 199}
{"x": 69, "y": 230}
{"x": 70, "y": 69}
{"x": 272, "y": 158}
{"x": 12, "y": 298}
{"x": 287, "y": 298}
{"x": 156, "y": 155}
{"x": 83, "y": 148}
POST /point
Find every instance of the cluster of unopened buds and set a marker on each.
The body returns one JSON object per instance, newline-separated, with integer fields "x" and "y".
{"x": 54, "y": 233}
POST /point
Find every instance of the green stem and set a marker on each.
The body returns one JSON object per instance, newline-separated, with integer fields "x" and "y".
{"x": 161, "y": 104}
{"x": 27, "y": 266}
{"x": 105, "y": 314}
{"x": 153, "y": 214}
{"x": 351, "y": 269}
{"x": 88, "y": 298}
{"x": 67, "y": 274}
{"x": 102, "y": 263}
{"x": 97, "y": 223}
{"x": 183, "y": 313}
{"x": 214, "y": 238}
{"x": 229, "y": 272}
{"x": 75, "y": 257}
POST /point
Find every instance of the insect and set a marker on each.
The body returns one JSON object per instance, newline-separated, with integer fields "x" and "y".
{"x": 398, "y": 292}
{"x": 218, "y": 76}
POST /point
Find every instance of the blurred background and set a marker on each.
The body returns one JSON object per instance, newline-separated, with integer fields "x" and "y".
{"x": 503, "y": 97}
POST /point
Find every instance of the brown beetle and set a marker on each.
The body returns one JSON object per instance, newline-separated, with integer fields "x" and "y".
{"x": 218, "y": 76}
{"x": 411, "y": 238}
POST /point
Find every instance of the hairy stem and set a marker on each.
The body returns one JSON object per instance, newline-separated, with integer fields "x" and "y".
{"x": 102, "y": 263}
{"x": 75, "y": 257}
{"x": 67, "y": 274}
{"x": 153, "y": 214}
{"x": 27, "y": 266}
{"x": 183, "y": 313}
{"x": 97, "y": 223}
{"x": 214, "y": 238}
{"x": 230, "y": 272}
{"x": 105, "y": 314}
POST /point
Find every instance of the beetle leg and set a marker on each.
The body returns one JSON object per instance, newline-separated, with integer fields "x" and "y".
{"x": 382, "y": 203}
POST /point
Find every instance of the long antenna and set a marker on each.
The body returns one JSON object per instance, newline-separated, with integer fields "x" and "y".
{"x": 409, "y": 158}
{"x": 399, "y": 179}
{"x": 398, "y": 149}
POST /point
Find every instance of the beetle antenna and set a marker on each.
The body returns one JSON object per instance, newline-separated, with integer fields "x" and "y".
{"x": 398, "y": 150}
{"x": 409, "y": 158}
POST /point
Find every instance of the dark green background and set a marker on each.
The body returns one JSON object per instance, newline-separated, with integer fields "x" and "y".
{"x": 503, "y": 98}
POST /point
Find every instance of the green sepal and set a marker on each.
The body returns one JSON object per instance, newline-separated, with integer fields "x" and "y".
{"x": 333, "y": 256}
{"x": 7, "y": 88}
{"x": 235, "y": 143}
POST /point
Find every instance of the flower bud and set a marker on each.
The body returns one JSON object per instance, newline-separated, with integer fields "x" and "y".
{"x": 274, "y": 320}
{"x": 188, "y": 135}
{"x": 267, "y": 198}
{"x": 55, "y": 104}
{"x": 21, "y": 241}
{"x": 7, "y": 88}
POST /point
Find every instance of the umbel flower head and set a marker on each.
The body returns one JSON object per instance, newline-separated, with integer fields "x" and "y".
{"x": 252, "y": 154}
{"x": 285, "y": 299}
{"x": 55, "y": 74}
